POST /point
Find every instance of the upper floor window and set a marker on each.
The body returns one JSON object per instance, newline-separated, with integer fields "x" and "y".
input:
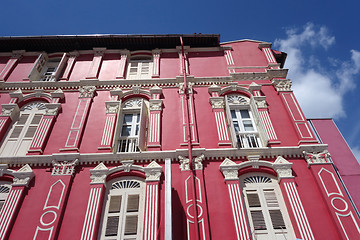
{"x": 48, "y": 68}
{"x": 124, "y": 209}
{"x": 242, "y": 125}
{"x": 4, "y": 192}
{"x": 21, "y": 133}
{"x": 265, "y": 206}
{"x": 132, "y": 131}
{"x": 140, "y": 67}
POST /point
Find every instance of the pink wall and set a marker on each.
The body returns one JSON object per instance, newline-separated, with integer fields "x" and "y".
{"x": 22, "y": 70}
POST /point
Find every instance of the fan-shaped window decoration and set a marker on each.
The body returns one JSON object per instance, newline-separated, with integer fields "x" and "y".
{"x": 243, "y": 129}
{"x": 125, "y": 184}
{"x": 4, "y": 192}
{"x": 265, "y": 206}
{"x": 22, "y": 131}
{"x": 123, "y": 213}
{"x": 257, "y": 179}
{"x": 131, "y": 135}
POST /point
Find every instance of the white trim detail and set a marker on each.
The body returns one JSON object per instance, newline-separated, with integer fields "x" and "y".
{"x": 151, "y": 212}
{"x": 91, "y": 211}
{"x": 45, "y": 230}
{"x": 49, "y": 193}
{"x": 334, "y": 179}
{"x": 238, "y": 210}
{"x": 264, "y": 116}
{"x": 51, "y": 222}
{"x": 353, "y": 219}
{"x": 8, "y": 210}
{"x": 298, "y": 211}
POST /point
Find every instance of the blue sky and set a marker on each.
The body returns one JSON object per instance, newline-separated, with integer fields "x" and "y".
{"x": 320, "y": 37}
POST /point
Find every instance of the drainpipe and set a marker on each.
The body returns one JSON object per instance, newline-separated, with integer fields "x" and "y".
{"x": 188, "y": 132}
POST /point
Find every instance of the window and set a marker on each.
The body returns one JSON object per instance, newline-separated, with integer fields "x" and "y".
{"x": 243, "y": 128}
{"x": 4, "y": 192}
{"x": 265, "y": 206}
{"x": 140, "y": 68}
{"x": 132, "y": 131}
{"x": 123, "y": 213}
{"x": 48, "y": 68}
{"x": 20, "y": 135}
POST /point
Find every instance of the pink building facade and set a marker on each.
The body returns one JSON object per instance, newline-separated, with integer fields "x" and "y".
{"x": 164, "y": 137}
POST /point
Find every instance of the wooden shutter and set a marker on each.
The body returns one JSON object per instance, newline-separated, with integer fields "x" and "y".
{"x": 112, "y": 226}
{"x": 36, "y": 119}
{"x": 133, "y": 203}
{"x": 143, "y": 126}
{"x": 2, "y": 202}
{"x": 258, "y": 123}
{"x": 131, "y": 225}
{"x": 230, "y": 123}
{"x": 253, "y": 199}
{"x": 61, "y": 66}
{"x": 115, "y": 204}
{"x": 30, "y": 132}
{"x": 16, "y": 132}
{"x": 258, "y": 220}
{"x": 35, "y": 73}
{"x": 277, "y": 219}
{"x": 270, "y": 198}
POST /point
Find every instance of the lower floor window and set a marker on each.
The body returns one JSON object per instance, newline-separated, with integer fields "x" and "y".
{"x": 123, "y": 213}
{"x": 266, "y": 209}
{"x": 4, "y": 192}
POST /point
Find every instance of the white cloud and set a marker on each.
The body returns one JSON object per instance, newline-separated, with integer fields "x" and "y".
{"x": 356, "y": 152}
{"x": 319, "y": 89}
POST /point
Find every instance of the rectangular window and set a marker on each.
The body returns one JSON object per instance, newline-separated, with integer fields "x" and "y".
{"x": 139, "y": 69}
{"x": 129, "y": 136}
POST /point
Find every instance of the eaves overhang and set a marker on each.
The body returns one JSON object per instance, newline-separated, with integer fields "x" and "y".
{"x": 68, "y": 43}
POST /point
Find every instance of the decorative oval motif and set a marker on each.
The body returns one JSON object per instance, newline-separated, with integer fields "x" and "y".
{"x": 339, "y": 204}
{"x": 48, "y": 218}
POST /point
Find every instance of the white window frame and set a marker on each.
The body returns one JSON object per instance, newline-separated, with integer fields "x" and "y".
{"x": 49, "y": 75}
{"x": 122, "y": 214}
{"x": 260, "y": 187}
{"x": 5, "y": 188}
{"x": 142, "y": 62}
{"x": 40, "y": 72}
{"x": 19, "y": 146}
{"x": 243, "y": 138}
{"x": 135, "y": 142}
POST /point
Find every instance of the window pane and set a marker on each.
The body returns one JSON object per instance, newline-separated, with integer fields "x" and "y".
{"x": 131, "y": 225}
{"x": 258, "y": 220}
{"x": 2, "y": 203}
{"x": 248, "y": 125}
{"x": 244, "y": 114}
{"x": 236, "y": 126}
{"x": 23, "y": 118}
{"x": 270, "y": 198}
{"x": 128, "y": 119}
{"x": 16, "y": 132}
{"x": 126, "y": 130}
{"x": 36, "y": 119}
{"x": 115, "y": 204}
{"x": 233, "y": 114}
{"x": 112, "y": 226}
{"x": 277, "y": 219}
{"x": 30, "y": 132}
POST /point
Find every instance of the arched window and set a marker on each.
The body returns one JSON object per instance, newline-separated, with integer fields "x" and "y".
{"x": 20, "y": 135}
{"x": 140, "y": 67}
{"x": 265, "y": 206}
{"x": 4, "y": 192}
{"x": 124, "y": 209}
{"x": 243, "y": 127}
{"x": 132, "y": 130}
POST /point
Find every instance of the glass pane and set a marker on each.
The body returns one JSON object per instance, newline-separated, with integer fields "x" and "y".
{"x": 133, "y": 203}
{"x": 258, "y": 220}
{"x": 127, "y": 119}
{"x": 277, "y": 219}
{"x": 233, "y": 114}
{"x": 244, "y": 114}
{"x": 248, "y": 125}
{"x": 36, "y": 119}
{"x": 30, "y": 132}
{"x": 23, "y": 118}
{"x": 137, "y": 118}
{"x": 253, "y": 200}
{"x": 137, "y": 130}
{"x": 115, "y": 204}
{"x": 126, "y": 130}
{"x": 131, "y": 225}
{"x": 236, "y": 126}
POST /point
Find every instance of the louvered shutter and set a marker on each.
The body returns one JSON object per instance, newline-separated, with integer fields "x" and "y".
{"x": 30, "y": 132}
{"x": 112, "y": 226}
{"x": 131, "y": 223}
{"x": 61, "y": 66}
{"x": 259, "y": 124}
{"x": 230, "y": 123}
{"x": 16, "y": 132}
{"x": 133, "y": 203}
{"x": 115, "y": 204}
{"x": 277, "y": 219}
{"x": 253, "y": 199}
{"x": 2, "y": 202}
{"x": 143, "y": 126}
{"x": 35, "y": 73}
{"x": 270, "y": 198}
{"x": 258, "y": 220}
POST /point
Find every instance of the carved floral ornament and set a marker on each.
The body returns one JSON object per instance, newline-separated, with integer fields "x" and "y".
{"x": 237, "y": 99}
{"x": 217, "y": 102}
{"x": 112, "y": 106}
{"x": 185, "y": 163}
{"x": 155, "y": 104}
{"x": 87, "y": 91}
{"x": 230, "y": 169}
{"x": 282, "y": 85}
{"x": 99, "y": 174}
{"x": 64, "y": 167}
{"x": 317, "y": 158}
{"x": 22, "y": 177}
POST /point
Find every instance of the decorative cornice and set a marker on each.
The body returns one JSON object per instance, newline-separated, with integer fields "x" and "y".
{"x": 282, "y": 85}
{"x": 283, "y": 168}
{"x": 153, "y": 172}
{"x": 277, "y": 73}
{"x": 17, "y": 94}
{"x": 260, "y": 101}
{"x": 17, "y": 54}
{"x": 184, "y": 163}
{"x": 98, "y": 174}
{"x": 155, "y": 90}
{"x": 254, "y": 87}
{"x": 198, "y": 165}
{"x": 317, "y": 157}
{"x": 99, "y": 51}
{"x": 214, "y": 88}
{"x": 52, "y": 109}
{"x": 112, "y": 106}
{"x": 23, "y": 176}
{"x": 10, "y": 110}
{"x": 64, "y": 167}
{"x": 155, "y": 104}
{"x": 87, "y": 91}
{"x": 58, "y": 94}
{"x": 217, "y": 102}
